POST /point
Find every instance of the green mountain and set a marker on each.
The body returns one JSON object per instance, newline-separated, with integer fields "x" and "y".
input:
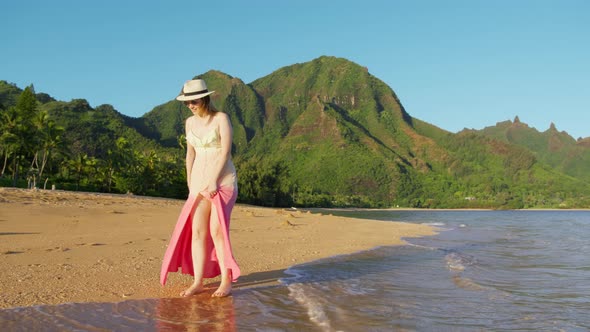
{"x": 165, "y": 123}
{"x": 77, "y": 147}
{"x": 8, "y": 94}
{"x": 333, "y": 134}
{"x": 557, "y": 149}
{"x": 328, "y": 133}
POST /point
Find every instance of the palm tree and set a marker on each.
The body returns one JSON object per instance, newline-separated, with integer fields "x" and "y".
{"x": 8, "y": 139}
{"x": 49, "y": 139}
{"x": 106, "y": 170}
{"x": 38, "y": 121}
{"x": 79, "y": 166}
{"x": 16, "y": 141}
{"x": 18, "y": 133}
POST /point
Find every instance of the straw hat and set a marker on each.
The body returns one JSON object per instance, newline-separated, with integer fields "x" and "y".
{"x": 193, "y": 89}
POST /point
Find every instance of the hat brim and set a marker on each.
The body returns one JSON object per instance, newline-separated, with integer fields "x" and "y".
{"x": 193, "y": 97}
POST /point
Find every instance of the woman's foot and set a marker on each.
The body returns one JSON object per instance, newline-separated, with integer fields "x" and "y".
{"x": 192, "y": 290}
{"x": 223, "y": 290}
{"x": 225, "y": 287}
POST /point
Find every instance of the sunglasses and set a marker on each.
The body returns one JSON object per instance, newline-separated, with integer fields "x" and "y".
{"x": 195, "y": 101}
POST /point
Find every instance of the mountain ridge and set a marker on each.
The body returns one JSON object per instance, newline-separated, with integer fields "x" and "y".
{"x": 556, "y": 148}
{"x": 309, "y": 113}
{"x": 328, "y": 133}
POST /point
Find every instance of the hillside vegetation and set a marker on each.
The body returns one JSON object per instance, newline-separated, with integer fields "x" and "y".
{"x": 320, "y": 133}
{"x": 557, "y": 149}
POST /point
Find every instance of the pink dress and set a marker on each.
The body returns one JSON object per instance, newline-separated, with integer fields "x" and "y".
{"x": 178, "y": 254}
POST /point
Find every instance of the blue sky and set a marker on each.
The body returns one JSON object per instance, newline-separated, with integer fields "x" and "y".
{"x": 455, "y": 64}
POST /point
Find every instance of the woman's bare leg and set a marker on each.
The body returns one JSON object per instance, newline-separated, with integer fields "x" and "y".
{"x": 219, "y": 242}
{"x": 200, "y": 228}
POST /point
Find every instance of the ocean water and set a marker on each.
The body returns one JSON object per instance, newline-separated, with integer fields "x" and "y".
{"x": 484, "y": 271}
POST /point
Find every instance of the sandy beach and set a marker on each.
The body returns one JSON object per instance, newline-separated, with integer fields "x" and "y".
{"x": 58, "y": 247}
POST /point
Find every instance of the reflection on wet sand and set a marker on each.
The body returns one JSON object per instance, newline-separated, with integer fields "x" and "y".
{"x": 195, "y": 313}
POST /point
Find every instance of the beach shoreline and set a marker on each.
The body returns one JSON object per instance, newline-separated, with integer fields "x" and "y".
{"x": 403, "y": 209}
{"x": 61, "y": 247}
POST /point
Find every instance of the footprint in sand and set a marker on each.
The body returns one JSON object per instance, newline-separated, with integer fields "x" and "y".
{"x": 57, "y": 249}
{"x": 288, "y": 223}
{"x": 93, "y": 244}
{"x": 66, "y": 266}
{"x": 10, "y": 252}
{"x": 105, "y": 262}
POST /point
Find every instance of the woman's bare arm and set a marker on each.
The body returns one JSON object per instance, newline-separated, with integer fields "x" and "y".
{"x": 190, "y": 154}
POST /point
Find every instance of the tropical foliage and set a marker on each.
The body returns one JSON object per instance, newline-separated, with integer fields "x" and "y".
{"x": 75, "y": 147}
{"x": 557, "y": 149}
{"x": 321, "y": 133}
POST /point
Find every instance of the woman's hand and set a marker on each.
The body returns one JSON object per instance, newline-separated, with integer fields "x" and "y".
{"x": 212, "y": 189}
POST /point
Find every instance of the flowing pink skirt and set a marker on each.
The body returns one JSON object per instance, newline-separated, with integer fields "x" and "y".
{"x": 178, "y": 254}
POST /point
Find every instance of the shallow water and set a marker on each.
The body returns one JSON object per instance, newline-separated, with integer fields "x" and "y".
{"x": 485, "y": 270}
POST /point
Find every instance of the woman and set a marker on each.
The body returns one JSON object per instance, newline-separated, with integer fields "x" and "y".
{"x": 200, "y": 243}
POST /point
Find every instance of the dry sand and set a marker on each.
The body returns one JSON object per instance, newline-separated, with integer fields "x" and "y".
{"x": 58, "y": 247}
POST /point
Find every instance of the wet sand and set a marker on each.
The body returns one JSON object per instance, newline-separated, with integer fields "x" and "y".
{"x": 59, "y": 247}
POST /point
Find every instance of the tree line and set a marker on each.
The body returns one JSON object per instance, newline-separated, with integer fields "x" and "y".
{"x": 72, "y": 146}
{"x": 38, "y": 152}
{"x": 76, "y": 148}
